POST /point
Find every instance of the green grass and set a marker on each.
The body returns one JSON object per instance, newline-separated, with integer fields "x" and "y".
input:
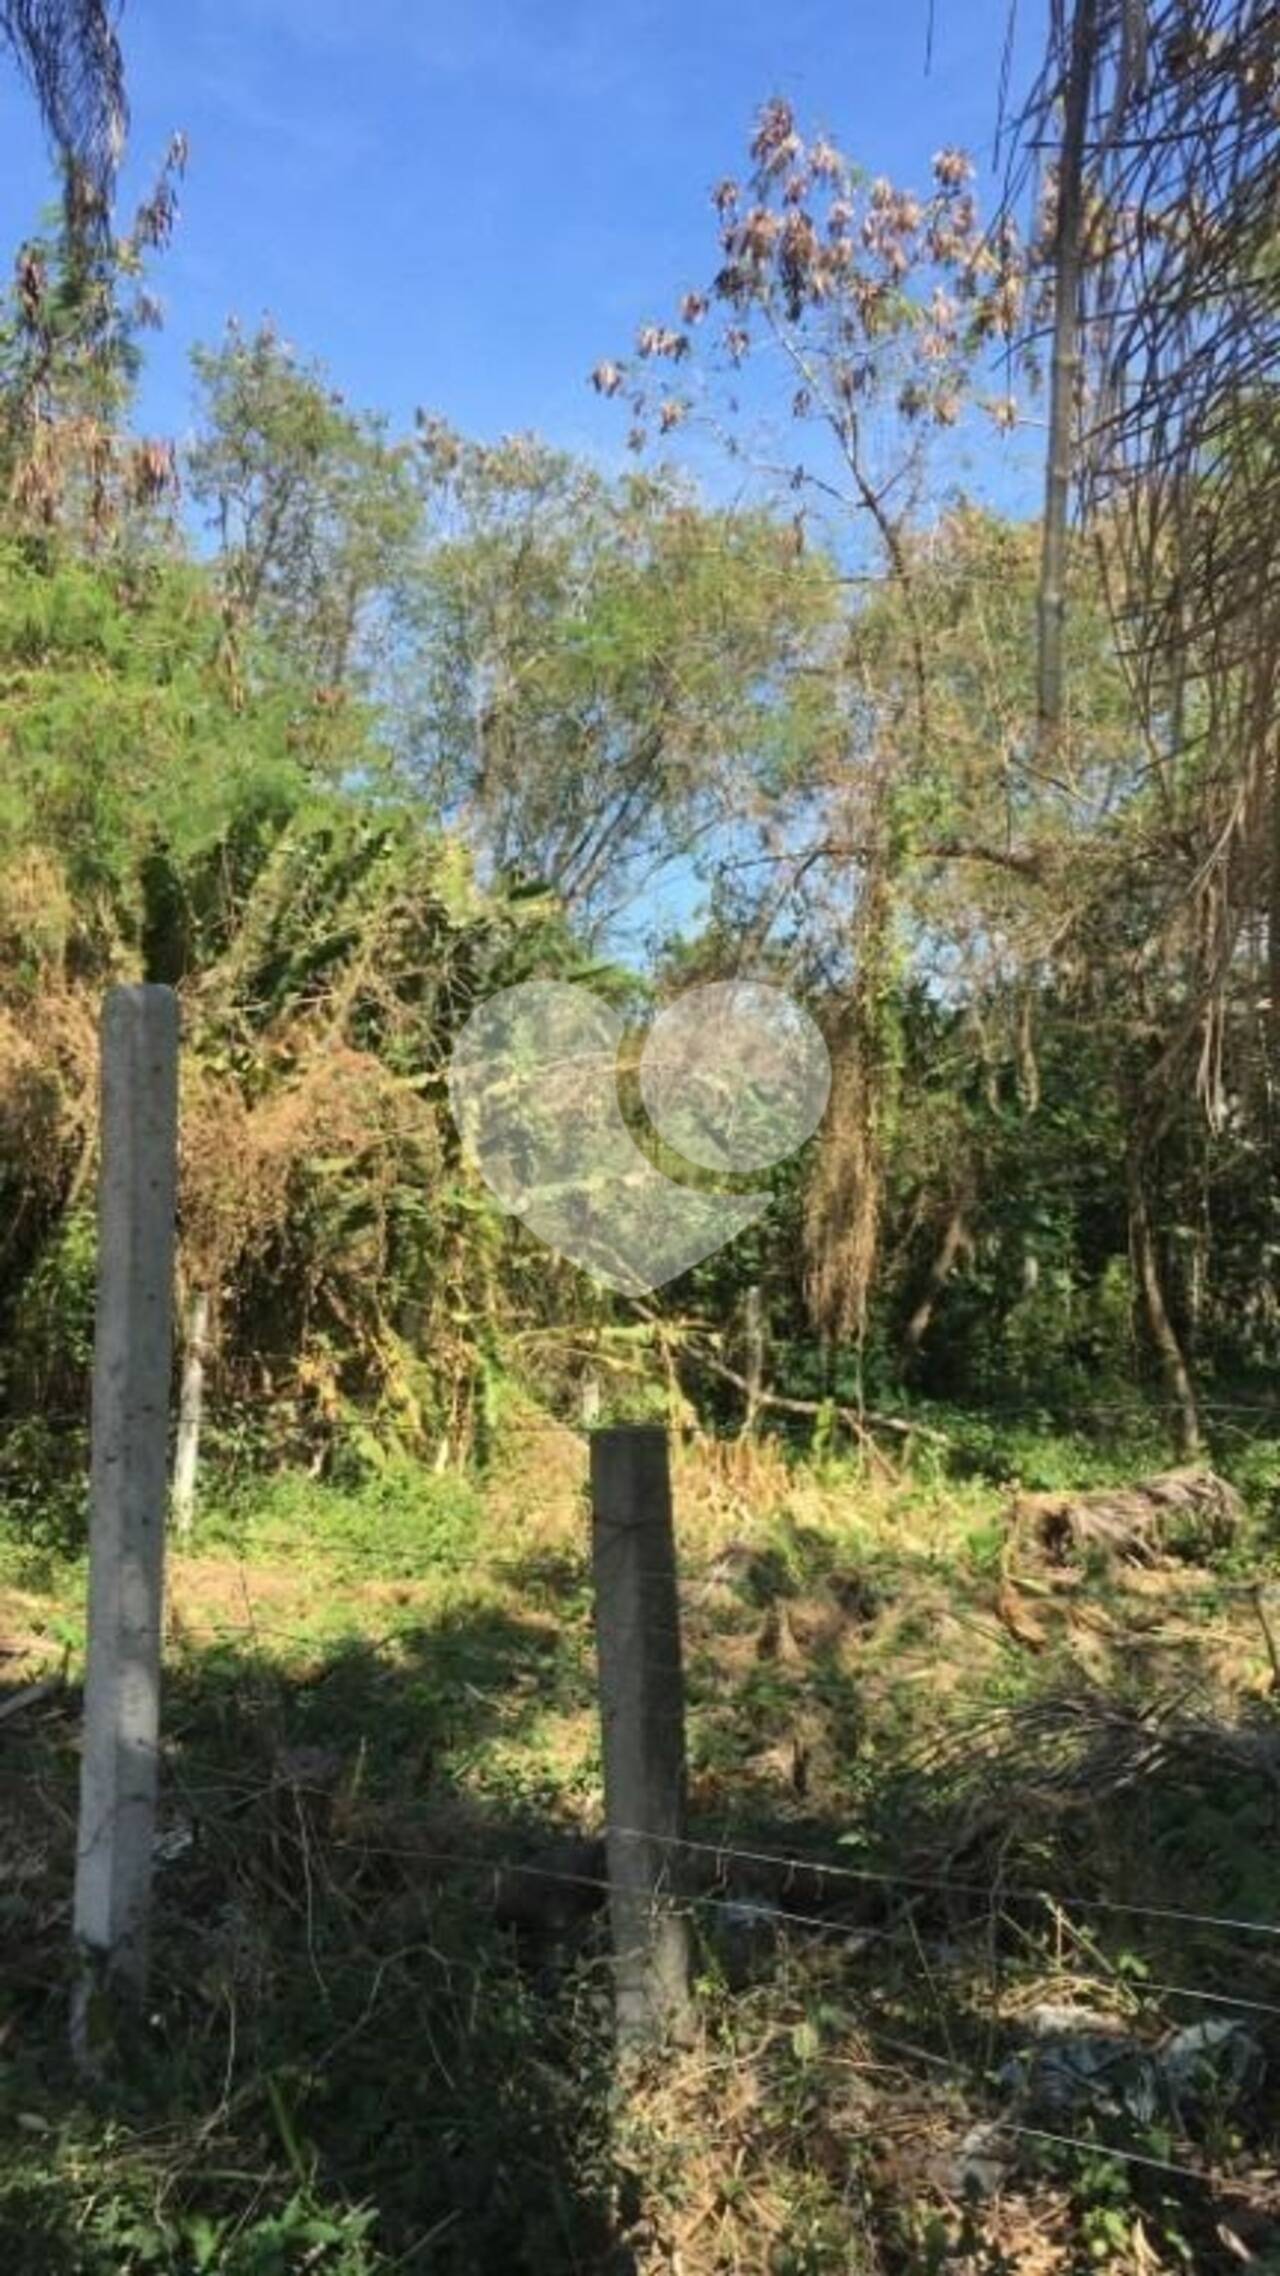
{"x": 402, "y": 1523}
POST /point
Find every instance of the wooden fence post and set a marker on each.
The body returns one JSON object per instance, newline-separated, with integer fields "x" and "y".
{"x": 132, "y": 1364}
{"x": 642, "y": 1724}
{"x": 186, "y": 1456}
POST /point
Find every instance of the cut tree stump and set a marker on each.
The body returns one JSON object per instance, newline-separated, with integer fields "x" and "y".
{"x": 1184, "y": 1512}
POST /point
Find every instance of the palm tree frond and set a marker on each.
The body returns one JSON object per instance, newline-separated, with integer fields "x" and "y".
{"x": 69, "y": 51}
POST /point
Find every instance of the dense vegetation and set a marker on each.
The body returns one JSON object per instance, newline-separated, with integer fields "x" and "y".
{"x": 338, "y": 731}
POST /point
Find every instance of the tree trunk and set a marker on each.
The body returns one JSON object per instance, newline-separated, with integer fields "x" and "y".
{"x": 1173, "y": 1365}
{"x": 755, "y": 1358}
{"x": 954, "y": 1239}
{"x": 187, "y": 1453}
{"x": 1273, "y": 959}
{"x": 1067, "y": 269}
{"x": 1028, "y": 1065}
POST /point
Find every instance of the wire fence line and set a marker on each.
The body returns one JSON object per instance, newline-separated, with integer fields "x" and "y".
{"x": 973, "y": 2080}
{"x": 1012, "y": 1895}
{"x": 970, "y": 2079}
{"x": 996, "y": 1895}
{"x": 855, "y": 1938}
{"x": 745, "y": 1911}
{"x": 724, "y": 1849}
{"x": 790, "y": 1865}
{"x": 548, "y": 1565}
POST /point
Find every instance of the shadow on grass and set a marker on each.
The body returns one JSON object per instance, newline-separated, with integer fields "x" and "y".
{"x": 372, "y": 2046}
{"x": 348, "y": 2016}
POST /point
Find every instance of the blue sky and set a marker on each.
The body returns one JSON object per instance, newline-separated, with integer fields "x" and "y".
{"x": 466, "y": 207}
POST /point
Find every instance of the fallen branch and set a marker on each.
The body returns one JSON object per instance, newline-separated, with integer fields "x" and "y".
{"x": 857, "y": 1420}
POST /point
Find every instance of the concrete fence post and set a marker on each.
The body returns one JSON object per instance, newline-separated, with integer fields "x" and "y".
{"x": 642, "y": 1726}
{"x": 132, "y": 1363}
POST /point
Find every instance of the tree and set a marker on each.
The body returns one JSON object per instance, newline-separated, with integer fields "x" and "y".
{"x": 71, "y": 325}
{"x": 157, "y": 823}
{"x": 314, "y": 510}
{"x": 880, "y": 307}
{"x": 598, "y": 671}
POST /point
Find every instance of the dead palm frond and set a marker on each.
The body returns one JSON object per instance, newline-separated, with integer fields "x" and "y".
{"x": 1161, "y": 125}
{"x": 69, "y": 51}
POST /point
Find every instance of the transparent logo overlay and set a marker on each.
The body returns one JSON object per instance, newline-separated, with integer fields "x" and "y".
{"x": 730, "y": 1079}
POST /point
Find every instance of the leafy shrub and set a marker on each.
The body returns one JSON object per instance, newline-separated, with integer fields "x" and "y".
{"x": 50, "y": 1349}
{"x": 1255, "y": 1472}
{"x": 44, "y": 1498}
{"x": 400, "y": 1524}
